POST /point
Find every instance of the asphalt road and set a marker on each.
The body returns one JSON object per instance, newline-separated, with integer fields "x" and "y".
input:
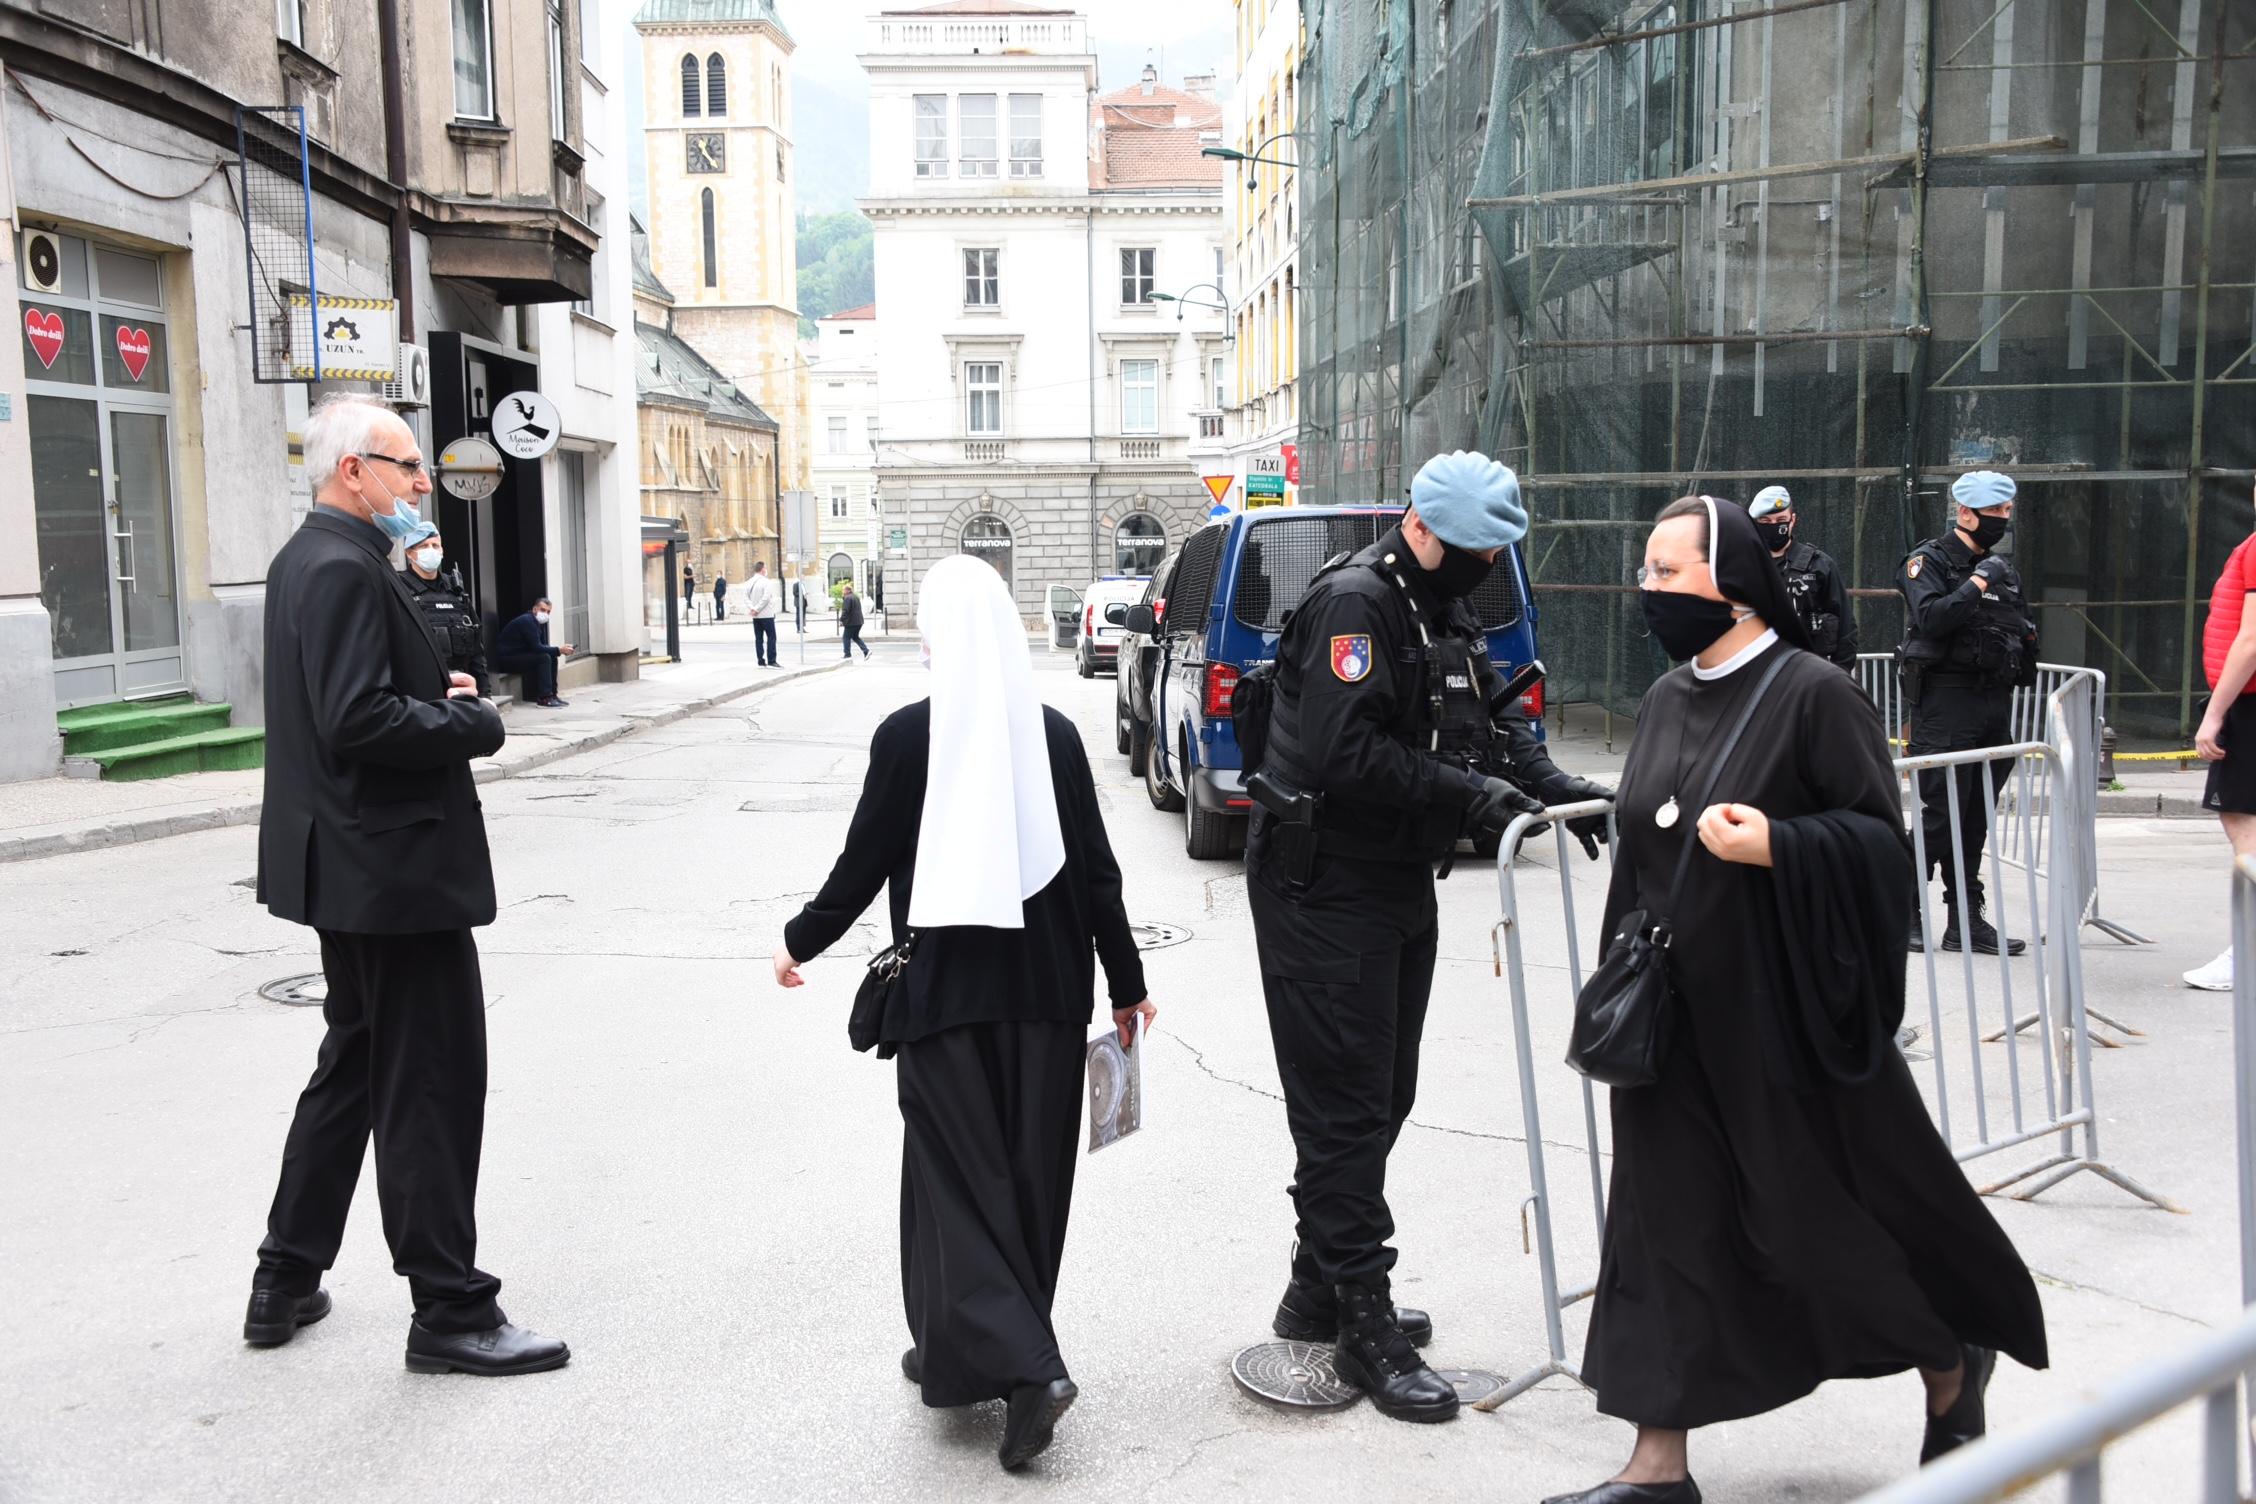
{"x": 691, "y": 1177}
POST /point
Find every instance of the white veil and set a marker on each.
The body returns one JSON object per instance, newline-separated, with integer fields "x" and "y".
{"x": 989, "y": 839}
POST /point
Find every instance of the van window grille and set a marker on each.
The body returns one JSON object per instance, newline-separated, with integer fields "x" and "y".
{"x": 1283, "y": 554}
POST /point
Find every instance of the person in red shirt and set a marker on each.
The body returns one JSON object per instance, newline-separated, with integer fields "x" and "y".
{"x": 2226, "y": 739}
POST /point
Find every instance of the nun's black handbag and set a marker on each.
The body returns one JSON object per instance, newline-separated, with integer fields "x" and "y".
{"x": 1626, "y": 1010}
{"x": 888, "y": 973}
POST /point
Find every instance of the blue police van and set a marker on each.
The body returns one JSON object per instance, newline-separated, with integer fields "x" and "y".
{"x": 1227, "y": 599}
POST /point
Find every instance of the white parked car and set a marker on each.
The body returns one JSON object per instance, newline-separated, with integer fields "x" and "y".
{"x": 1099, "y": 644}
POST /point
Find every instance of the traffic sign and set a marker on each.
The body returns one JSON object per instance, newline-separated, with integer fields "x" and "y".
{"x": 526, "y": 425}
{"x": 470, "y": 469}
{"x": 1219, "y": 486}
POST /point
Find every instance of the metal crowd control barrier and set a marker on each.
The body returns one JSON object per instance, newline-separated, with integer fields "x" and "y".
{"x": 1513, "y": 965}
{"x": 2215, "y": 1371}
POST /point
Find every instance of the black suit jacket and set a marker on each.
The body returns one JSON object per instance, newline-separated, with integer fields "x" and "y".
{"x": 371, "y": 824}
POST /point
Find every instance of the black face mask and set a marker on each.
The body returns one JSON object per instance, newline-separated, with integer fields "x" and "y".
{"x": 1459, "y": 573}
{"x": 1683, "y": 623}
{"x": 1988, "y": 532}
{"x": 1775, "y": 535}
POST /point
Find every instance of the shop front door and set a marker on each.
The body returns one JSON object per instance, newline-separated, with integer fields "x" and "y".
{"x": 100, "y": 418}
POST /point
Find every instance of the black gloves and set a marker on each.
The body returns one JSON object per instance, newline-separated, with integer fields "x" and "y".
{"x": 1990, "y": 571}
{"x": 1591, "y": 830}
{"x": 1498, "y": 805}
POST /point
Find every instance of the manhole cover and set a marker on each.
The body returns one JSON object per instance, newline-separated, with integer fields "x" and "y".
{"x": 308, "y": 991}
{"x": 1293, "y": 1376}
{"x": 1472, "y": 1384}
{"x": 1153, "y": 936}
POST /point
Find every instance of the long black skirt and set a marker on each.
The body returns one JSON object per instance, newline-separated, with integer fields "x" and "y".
{"x": 990, "y": 1115}
{"x": 1761, "y": 1241}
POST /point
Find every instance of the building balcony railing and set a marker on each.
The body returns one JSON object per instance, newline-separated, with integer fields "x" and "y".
{"x": 1052, "y": 34}
{"x": 986, "y": 451}
{"x": 1141, "y": 449}
{"x": 1210, "y": 425}
{"x": 1042, "y": 449}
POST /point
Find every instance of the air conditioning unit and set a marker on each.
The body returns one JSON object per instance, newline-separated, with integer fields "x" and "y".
{"x": 43, "y": 261}
{"x": 411, "y": 386}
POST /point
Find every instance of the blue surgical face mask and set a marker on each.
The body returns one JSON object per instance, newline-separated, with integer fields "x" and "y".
{"x": 402, "y": 522}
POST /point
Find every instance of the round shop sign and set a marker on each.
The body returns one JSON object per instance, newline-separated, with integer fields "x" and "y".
{"x": 470, "y": 469}
{"x": 526, "y": 425}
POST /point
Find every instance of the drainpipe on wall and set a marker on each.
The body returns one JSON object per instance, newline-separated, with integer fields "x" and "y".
{"x": 1089, "y": 221}
{"x": 395, "y": 165}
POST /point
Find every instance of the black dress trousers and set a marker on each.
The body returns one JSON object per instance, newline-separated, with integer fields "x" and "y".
{"x": 538, "y": 671}
{"x": 1954, "y": 718}
{"x": 990, "y": 1118}
{"x": 404, "y": 1058}
{"x": 1347, "y": 967}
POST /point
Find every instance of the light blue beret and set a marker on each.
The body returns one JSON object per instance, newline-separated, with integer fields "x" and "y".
{"x": 424, "y": 529}
{"x": 1470, "y": 500}
{"x": 1769, "y": 500}
{"x": 1977, "y": 489}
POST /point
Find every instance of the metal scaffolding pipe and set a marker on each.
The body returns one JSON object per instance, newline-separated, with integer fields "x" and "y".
{"x": 1790, "y": 337}
{"x": 1626, "y": 38}
{"x": 1780, "y": 173}
{"x": 2204, "y": 257}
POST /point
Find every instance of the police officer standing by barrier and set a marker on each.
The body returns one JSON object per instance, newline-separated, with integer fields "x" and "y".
{"x": 1968, "y": 642}
{"x": 437, "y": 587}
{"x": 1813, "y": 580}
{"x": 1382, "y": 719}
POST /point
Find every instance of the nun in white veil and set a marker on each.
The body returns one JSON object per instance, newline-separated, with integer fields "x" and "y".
{"x": 980, "y": 819}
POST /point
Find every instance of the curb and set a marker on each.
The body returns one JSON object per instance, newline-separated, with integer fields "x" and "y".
{"x": 2152, "y": 806}
{"x": 130, "y": 832}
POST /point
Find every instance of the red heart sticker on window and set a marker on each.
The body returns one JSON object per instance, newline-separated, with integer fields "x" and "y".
{"x": 133, "y": 350}
{"x": 45, "y": 331}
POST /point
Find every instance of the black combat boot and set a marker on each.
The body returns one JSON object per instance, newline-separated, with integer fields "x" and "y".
{"x": 1984, "y": 935}
{"x": 1310, "y": 1313}
{"x": 1374, "y": 1355}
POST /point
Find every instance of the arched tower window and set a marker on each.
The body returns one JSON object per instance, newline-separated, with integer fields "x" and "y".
{"x": 690, "y": 110}
{"x": 712, "y": 242}
{"x": 716, "y": 85}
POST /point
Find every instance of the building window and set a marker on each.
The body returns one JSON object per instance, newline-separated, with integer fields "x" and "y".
{"x": 989, "y": 537}
{"x": 290, "y": 21}
{"x": 473, "y": 59}
{"x": 712, "y": 241}
{"x": 1139, "y": 396}
{"x": 932, "y": 135}
{"x": 983, "y": 283}
{"x": 838, "y": 502}
{"x": 1138, "y": 544}
{"x": 1026, "y": 135}
{"x": 591, "y": 29}
{"x": 558, "y": 57}
{"x": 838, "y": 437}
{"x": 869, "y": 433}
{"x": 983, "y": 391}
{"x": 841, "y": 570}
{"x": 1136, "y": 265}
{"x": 1221, "y": 394}
{"x": 691, "y": 91}
{"x": 975, "y": 128}
{"x": 716, "y": 85}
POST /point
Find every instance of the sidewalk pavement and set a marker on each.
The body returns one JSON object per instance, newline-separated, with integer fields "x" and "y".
{"x": 48, "y": 816}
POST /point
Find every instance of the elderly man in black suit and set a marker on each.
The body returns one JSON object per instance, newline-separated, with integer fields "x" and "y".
{"x": 371, "y": 835}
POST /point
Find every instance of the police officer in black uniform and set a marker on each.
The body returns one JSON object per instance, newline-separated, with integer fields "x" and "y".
{"x": 1813, "y": 580}
{"x": 436, "y": 584}
{"x": 1383, "y": 718}
{"x": 1968, "y": 642}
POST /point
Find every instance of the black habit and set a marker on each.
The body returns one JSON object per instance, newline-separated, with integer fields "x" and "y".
{"x": 371, "y": 833}
{"x": 1770, "y": 1225}
{"x": 989, "y": 1040}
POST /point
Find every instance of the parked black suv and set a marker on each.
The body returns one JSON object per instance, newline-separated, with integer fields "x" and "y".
{"x": 1138, "y": 663}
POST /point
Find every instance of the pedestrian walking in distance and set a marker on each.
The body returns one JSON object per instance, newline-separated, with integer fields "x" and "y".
{"x": 370, "y": 833}
{"x": 979, "y": 817}
{"x": 2226, "y": 739}
{"x": 689, "y": 593}
{"x": 1387, "y": 716}
{"x": 720, "y": 596}
{"x": 1968, "y": 643}
{"x": 763, "y": 600}
{"x": 523, "y": 649}
{"x": 850, "y": 623}
{"x": 1782, "y": 1211}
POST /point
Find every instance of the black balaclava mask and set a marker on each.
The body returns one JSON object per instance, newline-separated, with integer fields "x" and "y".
{"x": 1459, "y": 573}
{"x": 1988, "y": 532}
{"x": 1775, "y": 535}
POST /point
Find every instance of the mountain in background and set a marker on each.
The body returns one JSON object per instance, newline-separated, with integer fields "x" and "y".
{"x": 836, "y": 269}
{"x": 830, "y": 131}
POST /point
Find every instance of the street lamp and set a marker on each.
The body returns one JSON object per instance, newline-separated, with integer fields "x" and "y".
{"x": 1183, "y": 300}
{"x": 1232, "y": 154}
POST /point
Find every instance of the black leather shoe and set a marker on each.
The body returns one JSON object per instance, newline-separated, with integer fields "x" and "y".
{"x": 276, "y": 1315}
{"x": 1310, "y": 1313}
{"x": 1968, "y": 1418}
{"x": 1034, "y": 1413}
{"x": 1682, "y": 1491}
{"x": 1374, "y": 1355}
{"x": 912, "y": 1366}
{"x": 493, "y": 1353}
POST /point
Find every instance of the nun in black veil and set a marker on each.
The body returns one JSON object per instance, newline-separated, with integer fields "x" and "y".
{"x": 1782, "y": 1211}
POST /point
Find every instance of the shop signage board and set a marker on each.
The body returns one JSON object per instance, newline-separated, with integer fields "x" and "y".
{"x": 470, "y": 469}
{"x": 359, "y": 338}
{"x": 526, "y": 425}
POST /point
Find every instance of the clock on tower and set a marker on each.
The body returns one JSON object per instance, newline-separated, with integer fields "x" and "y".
{"x": 707, "y": 152}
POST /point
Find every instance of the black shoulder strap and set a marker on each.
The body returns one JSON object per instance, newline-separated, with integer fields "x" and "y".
{"x": 1730, "y": 744}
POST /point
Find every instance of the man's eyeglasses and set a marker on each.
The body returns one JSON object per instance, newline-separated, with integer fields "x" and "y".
{"x": 412, "y": 467}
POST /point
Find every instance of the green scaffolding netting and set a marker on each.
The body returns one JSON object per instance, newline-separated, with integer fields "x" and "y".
{"x": 1848, "y": 246}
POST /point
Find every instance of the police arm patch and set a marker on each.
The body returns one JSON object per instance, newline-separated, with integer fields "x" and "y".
{"x": 1351, "y": 657}
{"x": 1911, "y": 565}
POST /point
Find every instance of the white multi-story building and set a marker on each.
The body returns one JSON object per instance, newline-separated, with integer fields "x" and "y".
{"x": 1264, "y": 220}
{"x": 1039, "y": 247}
{"x": 843, "y": 400}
